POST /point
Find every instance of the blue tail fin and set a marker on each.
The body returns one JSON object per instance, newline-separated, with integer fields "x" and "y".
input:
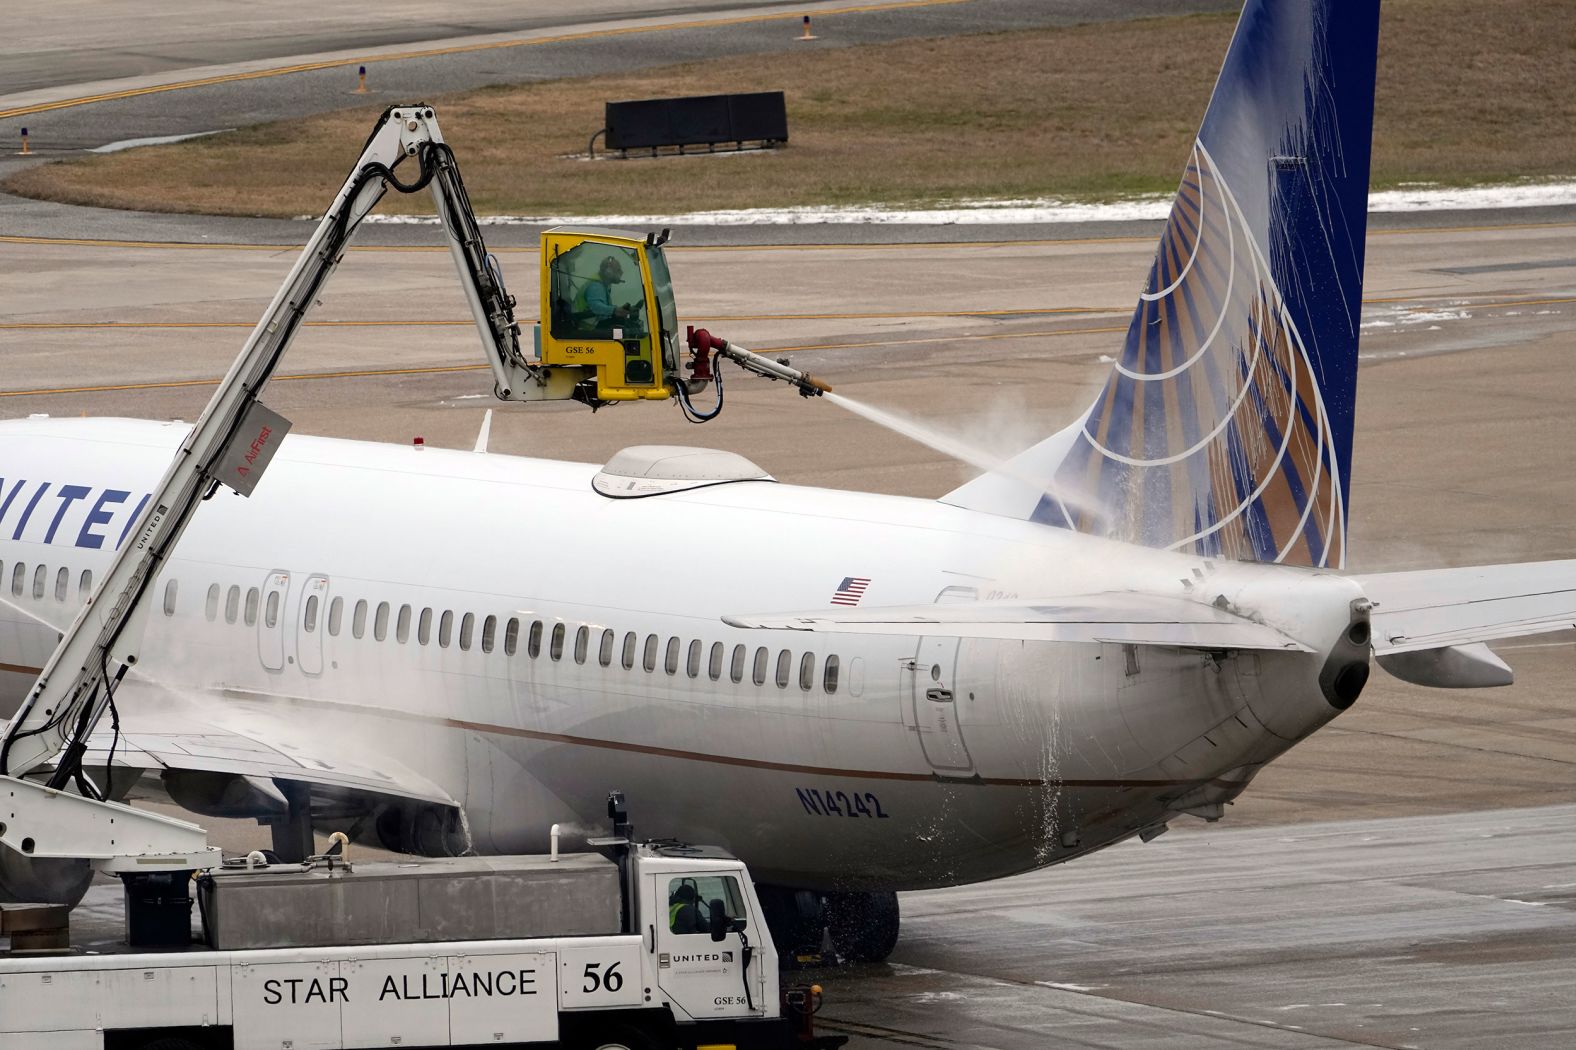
{"x": 1225, "y": 428}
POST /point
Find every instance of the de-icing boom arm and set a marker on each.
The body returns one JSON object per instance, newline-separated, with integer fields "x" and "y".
{"x": 235, "y": 436}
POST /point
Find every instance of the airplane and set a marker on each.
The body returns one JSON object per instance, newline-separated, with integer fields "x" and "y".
{"x": 442, "y": 651}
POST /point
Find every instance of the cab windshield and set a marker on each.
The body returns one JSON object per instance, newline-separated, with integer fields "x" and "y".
{"x": 662, "y": 285}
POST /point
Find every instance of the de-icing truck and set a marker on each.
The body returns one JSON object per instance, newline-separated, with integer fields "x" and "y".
{"x": 660, "y": 945}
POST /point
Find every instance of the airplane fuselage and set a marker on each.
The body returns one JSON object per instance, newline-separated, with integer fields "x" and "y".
{"x": 523, "y": 645}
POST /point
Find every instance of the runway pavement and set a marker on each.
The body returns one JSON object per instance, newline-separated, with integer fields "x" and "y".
{"x": 1440, "y": 932}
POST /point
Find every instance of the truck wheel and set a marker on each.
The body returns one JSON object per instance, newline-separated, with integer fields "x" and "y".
{"x": 863, "y": 926}
{"x": 618, "y": 1037}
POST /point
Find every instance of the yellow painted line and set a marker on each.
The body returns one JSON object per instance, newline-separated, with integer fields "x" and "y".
{"x": 48, "y": 326}
{"x": 941, "y": 339}
{"x": 1035, "y": 311}
{"x": 1044, "y": 311}
{"x": 88, "y": 242}
{"x": 172, "y": 384}
{"x": 334, "y": 63}
{"x": 1415, "y": 230}
{"x": 1445, "y": 298}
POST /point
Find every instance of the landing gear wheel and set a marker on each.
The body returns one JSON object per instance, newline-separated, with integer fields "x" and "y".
{"x": 797, "y": 920}
{"x": 863, "y": 926}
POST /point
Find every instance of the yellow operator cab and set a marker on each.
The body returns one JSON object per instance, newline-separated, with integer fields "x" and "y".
{"x": 607, "y": 303}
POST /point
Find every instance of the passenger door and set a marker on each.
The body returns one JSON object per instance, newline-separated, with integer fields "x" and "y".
{"x": 309, "y": 634}
{"x": 936, "y": 708}
{"x": 271, "y": 621}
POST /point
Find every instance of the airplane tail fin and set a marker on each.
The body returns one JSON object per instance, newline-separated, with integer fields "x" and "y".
{"x": 1225, "y": 428}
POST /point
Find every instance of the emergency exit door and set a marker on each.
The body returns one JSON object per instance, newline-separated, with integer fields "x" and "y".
{"x": 936, "y": 706}
{"x": 271, "y": 621}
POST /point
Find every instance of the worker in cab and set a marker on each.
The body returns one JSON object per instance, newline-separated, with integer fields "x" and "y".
{"x": 594, "y": 305}
{"x": 684, "y": 910}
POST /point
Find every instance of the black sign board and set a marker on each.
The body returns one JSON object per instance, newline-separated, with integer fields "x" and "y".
{"x": 700, "y": 120}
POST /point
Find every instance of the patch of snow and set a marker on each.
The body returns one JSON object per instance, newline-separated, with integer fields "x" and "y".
{"x": 1425, "y": 316}
{"x": 1027, "y": 211}
{"x": 156, "y": 140}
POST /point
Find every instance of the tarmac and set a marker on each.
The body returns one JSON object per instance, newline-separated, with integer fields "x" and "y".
{"x": 1406, "y": 877}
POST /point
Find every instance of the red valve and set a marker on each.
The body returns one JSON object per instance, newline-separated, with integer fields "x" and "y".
{"x": 701, "y": 342}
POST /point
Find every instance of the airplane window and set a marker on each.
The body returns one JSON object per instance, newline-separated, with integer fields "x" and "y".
{"x": 557, "y": 649}
{"x": 251, "y": 606}
{"x": 761, "y": 658}
{"x": 533, "y": 645}
{"x": 807, "y": 672}
{"x": 358, "y": 619}
{"x": 714, "y": 666}
{"x": 18, "y": 574}
{"x": 856, "y": 677}
{"x": 605, "y": 655}
{"x": 784, "y": 668}
{"x": 692, "y": 665}
{"x": 829, "y": 676}
{"x": 650, "y": 660}
{"x": 424, "y": 627}
{"x": 211, "y": 604}
{"x": 309, "y": 618}
{"x": 85, "y": 585}
{"x": 169, "y": 598}
{"x": 445, "y": 628}
{"x": 629, "y": 650}
{"x": 271, "y": 613}
{"x": 402, "y": 625}
{"x": 63, "y": 582}
{"x": 736, "y": 672}
{"x": 489, "y": 633}
{"x": 38, "y": 581}
{"x": 232, "y": 607}
{"x": 582, "y": 643}
{"x": 467, "y": 630}
{"x": 511, "y": 636}
{"x": 670, "y": 662}
{"x": 380, "y": 622}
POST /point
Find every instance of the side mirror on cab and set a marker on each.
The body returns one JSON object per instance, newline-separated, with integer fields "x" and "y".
{"x": 717, "y": 920}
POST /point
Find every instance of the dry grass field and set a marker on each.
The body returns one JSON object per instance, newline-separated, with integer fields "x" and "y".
{"x": 1468, "y": 92}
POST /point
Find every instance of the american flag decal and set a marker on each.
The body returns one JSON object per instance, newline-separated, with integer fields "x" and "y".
{"x": 850, "y": 590}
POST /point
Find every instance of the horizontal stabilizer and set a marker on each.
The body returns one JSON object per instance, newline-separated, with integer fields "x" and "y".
{"x": 1435, "y": 608}
{"x": 1129, "y": 618}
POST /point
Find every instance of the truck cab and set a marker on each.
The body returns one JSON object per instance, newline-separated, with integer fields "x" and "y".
{"x": 713, "y": 955}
